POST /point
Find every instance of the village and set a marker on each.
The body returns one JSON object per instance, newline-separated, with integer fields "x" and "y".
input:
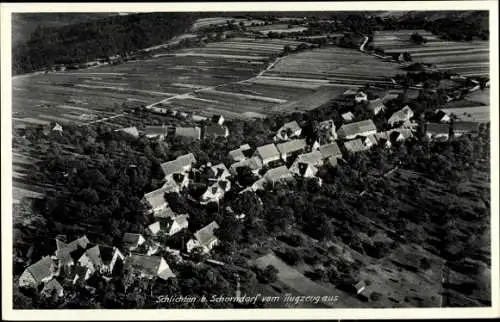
{"x": 288, "y": 156}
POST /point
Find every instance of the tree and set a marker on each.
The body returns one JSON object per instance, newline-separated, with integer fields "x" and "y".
{"x": 418, "y": 39}
{"x": 268, "y": 274}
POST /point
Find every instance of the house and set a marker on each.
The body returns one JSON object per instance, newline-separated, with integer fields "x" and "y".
{"x": 156, "y": 132}
{"x": 461, "y": 127}
{"x": 369, "y": 141}
{"x": 179, "y": 223}
{"x": 52, "y": 287}
{"x": 68, "y": 254}
{"x": 376, "y": 106}
{"x": 348, "y": 117}
{"x": 132, "y": 241}
{"x": 278, "y": 174}
{"x": 267, "y": 153}
{"x": 350, "y": 92}
{"x": 132, "y": 131}
{"x": 254, "y": 164}
{"x": 240, "y": 153}
{"x": 330, "y": 151}
{"x": 402, "y": 115}
{"x": 352, "y": 130}
{"x": 216, "y": 130}
{"x": 326, "y": 131}
{"x": 179, "y": 166}
{"x": 215, "y": 192}
{"x": 219, "y": 172}
{"x": 392, "y": 94}
{"x": 441, "y": 117}
{"x": 286, "y": 149}
{"x": 101, "y": 258}
{"x": 204, "y": 238}
{"x": 306, "y": 164}
{"x": 188, "y": 132}
{"x": 360, "y": 97}
{"x": 38, "y": 273}
{"x": 148, "y": 266}
{"x": 384, "y": 139}
{"x": 287, "y": 131}
{"x": 355, "y": 146}
{"x": 437, "y": 131}
{"x": 218, "y": 119}
{"x": 58, "y": 128}
{"x": 360, "y": 287}
{"x": 155, "y": 202}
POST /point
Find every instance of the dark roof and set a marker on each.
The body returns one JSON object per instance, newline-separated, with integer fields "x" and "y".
{"x": 356, "y": 128}
{"x": 206, "y": 234}
{"x": 437, "y": 128}
{"x": 215, "y": 130}
{"x": 41, "y": 269}
{"x": 462, "y": 126}
{"x": 329, "y": 150}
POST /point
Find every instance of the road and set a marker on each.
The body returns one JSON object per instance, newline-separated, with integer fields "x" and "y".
{"x": 362, "y": 47}
{"x": 106, "y": 118}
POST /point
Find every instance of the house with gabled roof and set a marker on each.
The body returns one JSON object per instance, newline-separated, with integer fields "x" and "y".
{"x": 193, "y": 132}
{"x": 326, "y": 131}
{"x": 360, "y": 96}
{"x": 442, "y": 117}
{"x": 288, "y": 148}
{"x": 437, "y": 131}
{"x": 155, "y": 201}
{"x": 241, "y": 153}
{"x": 306, "y": 164}
{"x": 253, "y": 163}
{"x": 330, "y": 151}
{"x": 58, "y": 128}
{"x": 148, "y": 266}
{"x": 68, "y": 254}
{"x": 156, "y": 132}
{"x": 52, "y": 287}
{"x": 351, "y": 130}
{"x": 348, "y": 117}
{"x": 216, "y": 130}
{"x": 278, "y": 174}
{"x": 376, "y": 106}
{"x": 218, "y": 119}
{"x": 132, "y": 131}
{"x": 404, "y": 114}
{"x": 354, "y": 146}
{"x": 132, "y": 241}
{"x": 40, "y": 272}
{"x": 287, "y": 131}
{"x": 177, "y": 169}
{"x": 204, "y": 238}
{"x": 368, "y": 141}
{"x": 101, "y": 258}
{"x": 267, "y": 153}
{"x": 178, "y": 223}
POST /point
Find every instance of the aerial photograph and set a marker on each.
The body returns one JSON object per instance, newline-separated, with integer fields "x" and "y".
{"x": 251, "y": 160}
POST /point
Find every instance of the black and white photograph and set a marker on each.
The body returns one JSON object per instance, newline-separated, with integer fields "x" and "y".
{"x": 250, "y": 160}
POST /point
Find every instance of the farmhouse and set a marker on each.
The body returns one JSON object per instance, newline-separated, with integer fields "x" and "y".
{"x": 180, "y": 166}
{"x": 355, "y": 146}
{"x": 376, "y": 106}
{"x": 402, "y": 115}
{"x": 101, "y": 258}
{"x": 40, "y": 272}
{"x": 156, "y": 132}
{"x": 51, "y": 288}
{"x": 437, "y": 131}
{"x": 188, "y": 132}
{"x": 254, "y": 163}
{"x": 240, "y": 153}
{"x": 278, "y": 174}
{"x": 132, "y": 131}
{"x": 348, "y": 117}
{"x": 330, "y": 151}
{"x": 68, "y": 254}
{"x": 287, "y": 131}
{"x": 351, "y": 130}
{"x": 148, "y": 266}
{"x": 306, "y": 164}
{"x": 286, "y": 149}
{"x": 132, "y": 241}
{"x": 267, "y": 153}
{"x": 204, "y": 238}
{"x": 459, "y": 128}
{"x": 216, "y": 130}
{"x": 326, "y": 132}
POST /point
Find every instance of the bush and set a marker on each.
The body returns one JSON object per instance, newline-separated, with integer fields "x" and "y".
{"x": 267, "y": 275}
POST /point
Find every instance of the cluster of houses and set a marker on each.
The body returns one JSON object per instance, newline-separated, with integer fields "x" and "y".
{"x": 288, "y": 156}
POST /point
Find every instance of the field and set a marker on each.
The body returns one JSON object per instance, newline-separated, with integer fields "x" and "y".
{"x": 465, "y": 58}
{"x": 220, "y": 21}
{"x": 277, "y": 28}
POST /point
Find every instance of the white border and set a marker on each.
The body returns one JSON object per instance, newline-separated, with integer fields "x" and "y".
{"x": 243, "y": 314}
